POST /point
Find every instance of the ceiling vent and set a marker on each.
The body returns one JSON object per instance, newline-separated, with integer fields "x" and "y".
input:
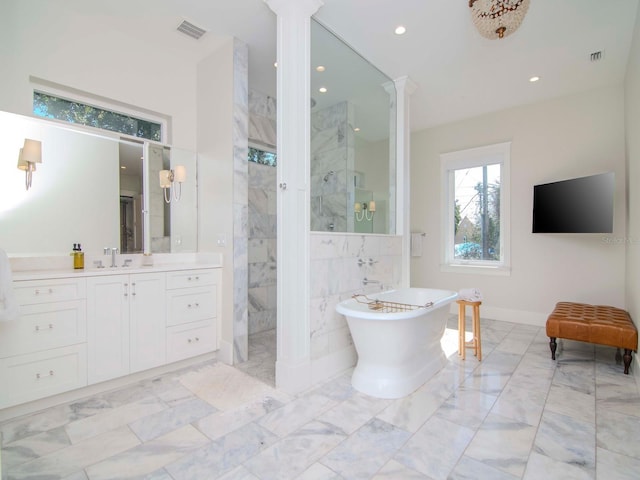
{"x": 596, "y": 56}
{"x": 191, "y": 30}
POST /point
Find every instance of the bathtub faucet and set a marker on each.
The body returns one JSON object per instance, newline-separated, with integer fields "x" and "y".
{"x": 366, "y": 281}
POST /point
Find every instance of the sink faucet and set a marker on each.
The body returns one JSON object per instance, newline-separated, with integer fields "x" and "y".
{"x": 113, "y": 251}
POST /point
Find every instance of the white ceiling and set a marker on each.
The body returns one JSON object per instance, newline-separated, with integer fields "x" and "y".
{"x": 459, "y": 74}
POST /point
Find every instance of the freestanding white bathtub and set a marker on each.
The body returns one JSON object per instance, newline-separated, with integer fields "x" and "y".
{"x": 397, "y": 352}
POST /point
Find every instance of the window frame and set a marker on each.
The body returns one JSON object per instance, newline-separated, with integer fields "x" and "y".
{"x": 499, "y": 153}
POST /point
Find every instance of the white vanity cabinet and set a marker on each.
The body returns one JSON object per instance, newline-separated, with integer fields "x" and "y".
{"x": 126, "y": 328}
{"x": 43, "y": 352}
{"x": 192, "y": 313}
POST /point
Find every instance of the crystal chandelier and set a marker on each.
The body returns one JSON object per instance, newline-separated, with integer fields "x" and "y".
{"x": 497, "y": 18}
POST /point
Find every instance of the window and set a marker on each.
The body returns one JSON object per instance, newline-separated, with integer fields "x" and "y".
{"x": 476, "y": 209}
{"x": 262, "y": 157}
{"x": 50, "y": 106}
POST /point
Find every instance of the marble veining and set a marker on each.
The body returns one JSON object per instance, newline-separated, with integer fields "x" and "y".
{"x": 473, "y": 420}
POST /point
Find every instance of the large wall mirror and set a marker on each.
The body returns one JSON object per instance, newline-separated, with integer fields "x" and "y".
{"x": 353, "y": 160}
{"x": 92, "y": 189}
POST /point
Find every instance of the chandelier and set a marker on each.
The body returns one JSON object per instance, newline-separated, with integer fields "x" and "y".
{"x": 497, "y": 18}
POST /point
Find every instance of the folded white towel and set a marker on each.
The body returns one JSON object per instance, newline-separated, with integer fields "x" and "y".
{"x": 8, "y": 302}
{"x": 470, "y": 295}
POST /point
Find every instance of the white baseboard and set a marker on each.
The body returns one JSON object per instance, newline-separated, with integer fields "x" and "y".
{"x": 225, "y": 353}
{"x": 507, "y": 315}
{"x": 293, "y": 378}
{"x": 330, "y": 365}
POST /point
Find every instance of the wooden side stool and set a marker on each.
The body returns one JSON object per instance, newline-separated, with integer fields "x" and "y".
{"x": 475, "y": 342}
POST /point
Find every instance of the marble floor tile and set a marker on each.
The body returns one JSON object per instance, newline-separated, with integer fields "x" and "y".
{"x": 157, "y": 424}
{"x": 502, "y": 443}
{"x": 618, "y": 433}
{"x": 296, "y": 452}
{"x": 540, "y": 466}
{"x": 148, "y": 457}
{"x": 515, "y": 415}
{"x": 435, "y": 449}
{"x": 567, "y": 440}
{"x": 69, "y": 460}
{"x": 222, "y": 455}
{"x": 367, "y": 450}
{"x": 521, "y": 404}
{"x": 574, "y": 403}
{"x": 111, "y": 418}
{"x": 615, "y": 465}
{"x": 471, "y": 469}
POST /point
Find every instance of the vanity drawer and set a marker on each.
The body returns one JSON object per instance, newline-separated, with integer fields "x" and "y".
{"x": 44, "y": 326}
{"x": 29, "y": 292}
{"x": 185, "y": 341}
{"x": 192, "y": 278}
{"x": 39, "y": 375}
{"x": 190, "y": 305}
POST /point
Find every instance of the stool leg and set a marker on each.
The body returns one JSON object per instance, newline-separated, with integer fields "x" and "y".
{"x": 553, "y": 345}
{"x": 461, "y": 331}
{"x": 476, "y": 332}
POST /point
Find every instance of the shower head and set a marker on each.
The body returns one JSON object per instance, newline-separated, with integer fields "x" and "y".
{"x": 329, "y": 173}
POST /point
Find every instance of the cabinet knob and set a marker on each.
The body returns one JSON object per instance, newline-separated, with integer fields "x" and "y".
{"x": 39, "y": 376}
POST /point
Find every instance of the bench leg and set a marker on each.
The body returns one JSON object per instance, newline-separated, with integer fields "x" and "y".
{"x": 627, "y": 360}
{"x": 552, "y": 346}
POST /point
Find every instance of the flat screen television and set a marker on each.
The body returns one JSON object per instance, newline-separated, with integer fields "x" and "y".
{"x": 578, "y": 205}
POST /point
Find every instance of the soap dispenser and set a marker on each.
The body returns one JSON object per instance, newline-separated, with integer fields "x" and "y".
{"x": 78, "y": 257}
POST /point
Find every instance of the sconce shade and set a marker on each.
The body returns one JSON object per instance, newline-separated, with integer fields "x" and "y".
{"x": 165, "y": 178}
{"x": 498, "y": 18}
{"x": 23, "y": 164}
{"x": 180, "y": 174}
{"x": 357, "y": 208}
{"x": 372, "y": 206}
{"x": 32, "y": 151}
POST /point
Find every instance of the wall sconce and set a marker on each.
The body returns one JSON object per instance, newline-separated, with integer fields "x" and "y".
{"x": 365, "y": 210}
{"x": 29, "y": 155}
{"x": 169, "y": 178}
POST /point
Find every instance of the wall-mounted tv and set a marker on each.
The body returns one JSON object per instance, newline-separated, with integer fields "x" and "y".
{"x": 578, "y": 205}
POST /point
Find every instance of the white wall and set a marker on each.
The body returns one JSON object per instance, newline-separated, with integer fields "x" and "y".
{"x": 65, "y": 43}
{"x": 215, "y": 170}
{"x": 632, "y": 124}
{"x": 567, "y": 137}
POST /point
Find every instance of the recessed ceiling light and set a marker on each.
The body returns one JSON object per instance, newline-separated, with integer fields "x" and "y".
{"x": 322, "y": 89}
{"x": 123, "y": 167}
{"x": 357, "y": 129}
{"x": 534, "y": 79}
{"x": 275, "y": 64}
{"x": 400, "y": 30}
{"x": 320, "y": 68}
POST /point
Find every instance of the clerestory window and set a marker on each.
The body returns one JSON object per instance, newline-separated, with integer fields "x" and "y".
{"x": 50, "y": 106}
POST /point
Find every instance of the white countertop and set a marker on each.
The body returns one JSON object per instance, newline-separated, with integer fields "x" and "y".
{"x": 40, "y": 268}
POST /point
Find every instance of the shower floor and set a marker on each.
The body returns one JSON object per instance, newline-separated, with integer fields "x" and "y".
{"x": 262, "y": 357}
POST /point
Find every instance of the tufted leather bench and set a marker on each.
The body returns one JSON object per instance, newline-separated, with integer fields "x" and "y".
{"x": 599, "y": 324}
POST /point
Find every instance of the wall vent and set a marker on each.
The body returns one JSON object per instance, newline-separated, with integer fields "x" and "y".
{"x": 596, "y": 56}
{"x": 191, "y": 30}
